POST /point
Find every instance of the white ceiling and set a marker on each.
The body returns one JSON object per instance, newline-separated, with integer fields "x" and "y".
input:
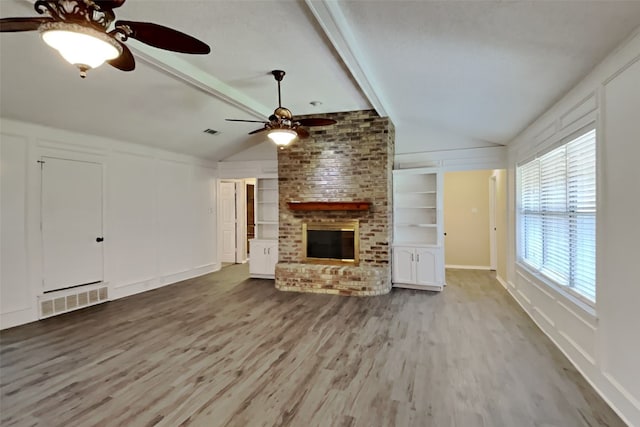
{"x": 450, "y": 74}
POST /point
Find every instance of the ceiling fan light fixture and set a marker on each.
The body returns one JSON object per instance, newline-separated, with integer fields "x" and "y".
{"x": 81, "y": 46}
{"x": 282, "y": 137}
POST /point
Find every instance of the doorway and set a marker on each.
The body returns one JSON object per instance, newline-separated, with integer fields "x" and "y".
{"x": 71, "y": 221}
{"x": 236, "y": 211}
{"x": 466, "y": 219}
{"x": 228, "y": 221}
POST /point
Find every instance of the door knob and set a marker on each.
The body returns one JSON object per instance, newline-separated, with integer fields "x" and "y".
{"x": 99, "y": 239}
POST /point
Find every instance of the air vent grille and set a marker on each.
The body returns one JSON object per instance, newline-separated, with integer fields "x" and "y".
{"x": 55, "y": 303}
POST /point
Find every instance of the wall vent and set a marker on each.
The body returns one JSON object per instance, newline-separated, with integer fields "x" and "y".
{"x": 54, "y": 303}
{"x": 211, "y": 131}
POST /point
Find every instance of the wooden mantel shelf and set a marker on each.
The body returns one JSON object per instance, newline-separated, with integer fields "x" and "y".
{"x": 329, "y": 206}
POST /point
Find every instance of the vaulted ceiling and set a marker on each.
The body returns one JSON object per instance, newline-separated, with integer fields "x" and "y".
{"x": 450, "y": 74}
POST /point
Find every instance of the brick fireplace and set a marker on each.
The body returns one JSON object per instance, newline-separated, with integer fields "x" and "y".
{"x": 350, "y": 161}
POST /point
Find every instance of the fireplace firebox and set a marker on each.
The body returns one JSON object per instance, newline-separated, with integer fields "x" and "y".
{"x": 331, "y": 243}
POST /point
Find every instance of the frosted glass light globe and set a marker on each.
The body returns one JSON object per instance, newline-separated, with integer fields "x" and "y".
{"x": 82, "y": 46}
{"x": 282, "y": 137}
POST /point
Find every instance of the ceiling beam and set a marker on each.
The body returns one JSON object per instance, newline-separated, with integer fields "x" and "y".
{"x": 336, "y": 27}
{"x": 177, "y": 67}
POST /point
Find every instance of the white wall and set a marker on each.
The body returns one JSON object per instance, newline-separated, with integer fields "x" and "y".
{"x": 602, "y": 342}
{"x": 266, "y": 150}
{"x": 159, "y": 214}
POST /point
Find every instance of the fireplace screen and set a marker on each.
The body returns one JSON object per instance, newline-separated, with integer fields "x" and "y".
{"x": 331, "y": 242}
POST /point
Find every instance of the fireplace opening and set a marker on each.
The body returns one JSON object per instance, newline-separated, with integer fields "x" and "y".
{"x": 331, "y": 243}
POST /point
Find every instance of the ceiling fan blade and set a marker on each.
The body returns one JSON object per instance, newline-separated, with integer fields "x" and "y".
{"x": 12, "y": 25}
{"x": 125, "y": 61}
{"x": 316, "y": 122}
{"x": 302, "y": 133}
{"x": 248, "y": 121}
{"x": 258, "y": 130}
{"x": 109, "y": 4}
{"x": 164, "y": 38}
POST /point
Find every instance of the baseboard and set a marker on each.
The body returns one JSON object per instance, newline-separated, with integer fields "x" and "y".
{"x": 592, "y": 381}
{"x": 434, "y": 288}
{"x": 18, "y": 317}
{"x": 502, "y": 282}
{"x": 468, "y": 267}
{"x": 30, "y": 314}
{"x": 157, "y": 282}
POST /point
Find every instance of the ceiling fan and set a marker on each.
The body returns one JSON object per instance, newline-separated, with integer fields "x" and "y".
{"x": 282, "y": 127}
{"x": 78, "y": 29}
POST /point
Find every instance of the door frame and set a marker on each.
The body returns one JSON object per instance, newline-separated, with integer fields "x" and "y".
{"x": 34, "y": 201}
{"x": 240, "y": 219}
{"x": 493, "y": 234}
{"x": 247, "y": 182}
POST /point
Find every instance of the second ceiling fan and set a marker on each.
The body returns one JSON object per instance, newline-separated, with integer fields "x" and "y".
{"x": 282, "y": 127}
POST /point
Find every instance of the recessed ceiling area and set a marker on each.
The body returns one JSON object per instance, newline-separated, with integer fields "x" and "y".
{"x": 450, "y": 74}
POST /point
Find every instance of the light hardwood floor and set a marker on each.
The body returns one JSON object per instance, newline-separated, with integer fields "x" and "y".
{"x": 223, "y": 351}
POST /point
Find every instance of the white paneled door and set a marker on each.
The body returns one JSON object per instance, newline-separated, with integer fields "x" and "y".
{"x": 228, "y": 215}
{"x": 71, "y": 223}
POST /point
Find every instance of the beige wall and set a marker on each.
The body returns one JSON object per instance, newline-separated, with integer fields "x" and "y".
{"x": 466, "y": 218}
{"x": 501, "y": 222}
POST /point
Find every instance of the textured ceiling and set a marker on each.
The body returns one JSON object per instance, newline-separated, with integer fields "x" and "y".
{"x": 450, "y": 74}
{"x": 482, "y": 69}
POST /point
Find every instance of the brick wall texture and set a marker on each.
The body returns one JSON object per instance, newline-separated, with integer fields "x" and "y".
{"x": 349, "y": 161}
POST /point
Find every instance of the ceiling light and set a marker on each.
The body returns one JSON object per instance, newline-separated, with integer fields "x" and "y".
{"x": 81, "y": 46}
{"x": 282, "y": 137}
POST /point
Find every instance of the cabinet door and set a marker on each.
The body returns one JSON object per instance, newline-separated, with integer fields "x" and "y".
{"x": 403, "y": 265}
{"x": 272, "y": 258}
{"x": 439, "y": 256}
{"x": 257, "y": 257}
{"x": 426, "y": 265}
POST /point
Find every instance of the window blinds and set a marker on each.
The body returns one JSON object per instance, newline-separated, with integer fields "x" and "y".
{"x": 557, "y": 215}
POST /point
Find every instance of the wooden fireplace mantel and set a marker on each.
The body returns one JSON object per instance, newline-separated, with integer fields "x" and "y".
{"x": 329, "y": 206}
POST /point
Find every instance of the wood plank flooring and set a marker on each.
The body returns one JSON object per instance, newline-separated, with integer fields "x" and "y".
{"x": 224, "y": 351}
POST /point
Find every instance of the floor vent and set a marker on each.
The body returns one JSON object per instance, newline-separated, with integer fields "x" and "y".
{"x": 55, "y": 303}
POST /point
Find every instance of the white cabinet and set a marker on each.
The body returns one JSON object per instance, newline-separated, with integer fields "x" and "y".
{"x": 418, "y": 267}
{"x": 263, "y": 257}
{"x": 418, "y": 258}
{"x": 263, "y": 250}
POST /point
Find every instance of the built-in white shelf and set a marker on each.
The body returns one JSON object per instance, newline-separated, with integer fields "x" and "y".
{"x": 418, "y": 256}
{"x": 267, "y": 208}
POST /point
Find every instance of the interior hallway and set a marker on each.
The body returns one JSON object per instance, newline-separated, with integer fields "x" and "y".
{"x": 220, "y": 350}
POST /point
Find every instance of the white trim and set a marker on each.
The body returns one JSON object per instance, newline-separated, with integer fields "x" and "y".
{"x": 502, "y": 282}
{"x": 493, "y": 234}
{"x": 468, "y": 267}
{"x": 182, "y": 70}
{"x": 418, "y": 287}
{"x": 17, "y": 318}
{"x": 605, "y": 376}
{"x": 623, "y": 391}
{"x": 159, "y": 282}
{"x": 336, "y": 27}
{"x": 576, "y": 300}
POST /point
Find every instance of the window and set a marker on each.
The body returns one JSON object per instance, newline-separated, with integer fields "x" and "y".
{"x": 557, "y": 215}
